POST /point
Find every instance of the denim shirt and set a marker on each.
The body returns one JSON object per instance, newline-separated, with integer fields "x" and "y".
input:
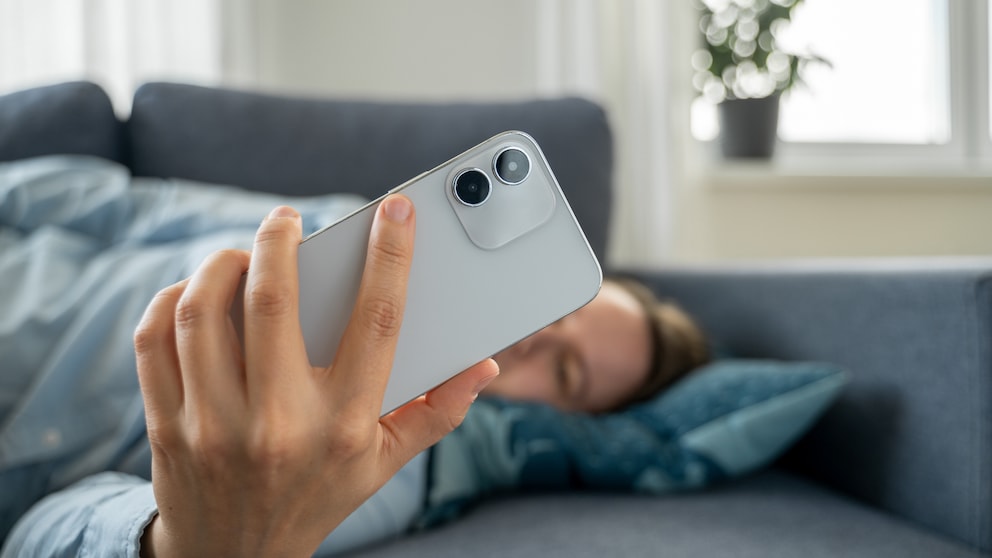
{"x": 83, "y": 249}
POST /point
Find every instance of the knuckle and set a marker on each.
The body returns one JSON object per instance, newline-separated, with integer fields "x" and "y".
{"x": 154, "y": 328}
{"x": 268, "y": 450}
{"x": 147, "y": 337}
{"x": 269, "y": 298}
{"x": 350, "y": 442}
{"x": 191, "y": 312}
{"x": 390, "y": 253}
{"x": 212, "y": 449}
{"x": 444, "y": 423}
{"x": 381, "y": 315}
{"x": 445, "y": 420}
{"x": 276, "y": 230}
{"x": 164, "y": 440}
{"x": 228, "y": 256}
{"x": 452, "y": 422}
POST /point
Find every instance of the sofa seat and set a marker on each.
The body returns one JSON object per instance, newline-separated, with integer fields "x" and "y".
{"x": 770, "y": 515}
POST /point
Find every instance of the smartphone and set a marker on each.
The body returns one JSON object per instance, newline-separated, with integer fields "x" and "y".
{"x": 498, "y": 255}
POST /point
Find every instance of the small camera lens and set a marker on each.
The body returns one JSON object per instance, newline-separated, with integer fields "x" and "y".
{"x": 472, "y": 187}
{"x": 512, "y": 165}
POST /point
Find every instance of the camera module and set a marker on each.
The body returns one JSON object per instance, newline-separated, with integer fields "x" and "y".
{"x": 471, "y": 187}
{"x": 512, "y": 165}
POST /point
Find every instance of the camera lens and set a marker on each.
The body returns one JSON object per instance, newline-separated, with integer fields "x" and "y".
{"x": 472, "y": 187}
{"x": 512, "y": 165}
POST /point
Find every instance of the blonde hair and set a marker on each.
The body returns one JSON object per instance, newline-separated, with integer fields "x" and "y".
{"x": 678, "y": 345}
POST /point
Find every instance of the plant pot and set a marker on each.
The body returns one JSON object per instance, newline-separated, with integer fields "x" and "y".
{"x": 748, "y": 127}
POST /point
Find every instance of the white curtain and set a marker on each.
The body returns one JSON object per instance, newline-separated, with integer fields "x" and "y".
{"x": 122, "y": 43}
{"x": 618, "y": 53}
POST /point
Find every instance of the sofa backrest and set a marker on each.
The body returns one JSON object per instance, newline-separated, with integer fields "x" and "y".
{"x": 75, "y": 117}
{"x": 307, "y": 146}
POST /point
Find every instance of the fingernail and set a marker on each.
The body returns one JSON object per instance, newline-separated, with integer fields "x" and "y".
{"x": 283, "y": 212}
{"x": 397, "y": 209}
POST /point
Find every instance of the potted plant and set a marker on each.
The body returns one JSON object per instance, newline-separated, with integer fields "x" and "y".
{"x": 743, "y": 70}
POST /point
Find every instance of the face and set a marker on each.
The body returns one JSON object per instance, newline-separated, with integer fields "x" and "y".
{"x": 590, "y": 360}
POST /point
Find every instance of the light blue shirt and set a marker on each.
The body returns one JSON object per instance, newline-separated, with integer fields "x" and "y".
{"x": 83, "y": 249}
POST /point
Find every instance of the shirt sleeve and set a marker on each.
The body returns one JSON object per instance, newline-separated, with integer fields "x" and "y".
{"x": 103, "y": 515}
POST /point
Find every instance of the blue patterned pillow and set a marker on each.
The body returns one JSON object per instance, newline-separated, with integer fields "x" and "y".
{"x": 726, "y": 419}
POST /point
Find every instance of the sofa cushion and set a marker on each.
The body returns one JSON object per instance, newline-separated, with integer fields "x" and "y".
{"x": 741, "y": 414}
{"x": 725, "y": 420}
{"x": 305, "y": 146}
{"x": 69, "y": 118}
{"x": 773, "y": 515}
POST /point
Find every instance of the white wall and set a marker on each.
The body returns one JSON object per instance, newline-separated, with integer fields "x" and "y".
{"x": 432, "y": 49}
{"x": 446, "y": 49}
{"x": 729, "y": 216}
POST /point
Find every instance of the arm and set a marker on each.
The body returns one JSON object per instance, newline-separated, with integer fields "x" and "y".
{"x": 102, "y": 515}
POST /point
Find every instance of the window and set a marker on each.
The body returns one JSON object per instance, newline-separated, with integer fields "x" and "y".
{"x": 888, "y": 82}
{"x": 909, "y": 78}
{"x": 117, "y": 43}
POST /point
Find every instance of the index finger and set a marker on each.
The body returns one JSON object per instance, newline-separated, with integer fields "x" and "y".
{"x": 365, "y": 355}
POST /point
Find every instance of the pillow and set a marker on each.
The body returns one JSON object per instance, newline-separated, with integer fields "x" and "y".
{"x": 724, "y": 420}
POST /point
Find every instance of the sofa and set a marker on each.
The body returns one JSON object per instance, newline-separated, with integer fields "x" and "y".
{"x": 900, "y": 465}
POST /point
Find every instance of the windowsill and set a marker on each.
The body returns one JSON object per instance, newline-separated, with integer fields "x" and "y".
{"x": 841, "y": 173}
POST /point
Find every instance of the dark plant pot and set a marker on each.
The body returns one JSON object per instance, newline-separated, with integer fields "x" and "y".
{"x": 748, "y": 127}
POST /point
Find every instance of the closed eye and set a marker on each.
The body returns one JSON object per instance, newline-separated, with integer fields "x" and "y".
{"x": 572, "y": 377}
{"x": 563, "y": 379}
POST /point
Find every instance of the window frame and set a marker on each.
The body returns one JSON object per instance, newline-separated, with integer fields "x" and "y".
{"x": 969, "y": 96}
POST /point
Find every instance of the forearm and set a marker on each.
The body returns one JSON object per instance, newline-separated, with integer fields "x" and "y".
{"x": 103, "y": 515}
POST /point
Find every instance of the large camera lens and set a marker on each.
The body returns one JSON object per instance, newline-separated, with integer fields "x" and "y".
{"x": 472, "y": 187}
{"x": 512, "y": 165}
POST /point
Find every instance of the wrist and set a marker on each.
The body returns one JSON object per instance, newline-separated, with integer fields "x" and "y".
{"x": 146, "y": 545}
{"x": 155, "y": 543}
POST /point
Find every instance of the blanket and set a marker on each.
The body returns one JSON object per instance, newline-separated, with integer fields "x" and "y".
{"x": 84, "y": 246}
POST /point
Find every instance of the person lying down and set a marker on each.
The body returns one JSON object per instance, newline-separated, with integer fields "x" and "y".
{"x": 622, "y": 348}
{"x": 84, "y": 247}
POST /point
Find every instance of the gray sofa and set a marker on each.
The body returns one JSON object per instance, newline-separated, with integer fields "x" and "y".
{"x": 901, "y": 465}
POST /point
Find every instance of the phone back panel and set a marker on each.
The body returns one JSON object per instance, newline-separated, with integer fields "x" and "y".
{"x": 482, "y": 277}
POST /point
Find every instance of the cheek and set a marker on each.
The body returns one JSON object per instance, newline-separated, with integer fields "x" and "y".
{"x": 523, "y": 382}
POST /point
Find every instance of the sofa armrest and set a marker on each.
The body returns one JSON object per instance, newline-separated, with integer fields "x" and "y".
{"x": 912, "y": 434}
{"x": 75, "y": 117}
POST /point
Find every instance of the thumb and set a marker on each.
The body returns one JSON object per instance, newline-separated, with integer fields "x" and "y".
{"x": 422, "y": 422}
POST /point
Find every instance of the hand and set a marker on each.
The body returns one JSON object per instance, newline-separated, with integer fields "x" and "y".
{"x": 256, "y": 452}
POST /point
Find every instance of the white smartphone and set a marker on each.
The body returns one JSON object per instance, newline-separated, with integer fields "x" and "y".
{"x": 498, "y": 256}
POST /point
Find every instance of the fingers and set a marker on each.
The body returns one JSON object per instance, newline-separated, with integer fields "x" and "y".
{"x": 210, "y": 368}
{"x": 424, "y": 421}
{"x": 365, "y": 356}
{"x": 272, "y": 335}
{"x": 182, "y": 344}
{"x": 155, "y": 350}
